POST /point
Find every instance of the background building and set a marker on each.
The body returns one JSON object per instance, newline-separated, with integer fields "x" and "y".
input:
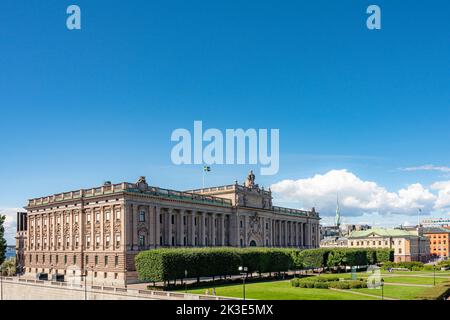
{"x": 334, "y": 242}
{"x": 439, "y": 241}
{"x": 407, "y": 245}
{"x": 436, "y": 222}
{"x": 99, "y": 231}
{"x": 21, "y": 238}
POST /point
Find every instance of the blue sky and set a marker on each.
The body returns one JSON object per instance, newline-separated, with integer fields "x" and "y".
{"x": 81, "y": 107}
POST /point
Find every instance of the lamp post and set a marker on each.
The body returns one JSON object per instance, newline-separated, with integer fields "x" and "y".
{"x": 85, "y": 285}
{"x": 1, "y": 282}
{"x": 243, "y": 271}
{"x": 185, "y": 280}
{"x": 434, "y": 275}
{"x": 382, "y": 289}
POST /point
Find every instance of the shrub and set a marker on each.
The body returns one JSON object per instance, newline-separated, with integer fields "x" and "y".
{"x": 321, "y": 284}
{"x": 339, "y": 285}
{"x": 295, "y": 282}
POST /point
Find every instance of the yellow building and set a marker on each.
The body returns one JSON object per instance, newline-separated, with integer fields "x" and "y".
{"x": 407, "y": 245}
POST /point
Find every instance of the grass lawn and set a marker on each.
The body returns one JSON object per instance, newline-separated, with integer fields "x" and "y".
{"x": 414, "y": 280}
{"x": 397, "y": 292}
{"x": 281, "y": 290}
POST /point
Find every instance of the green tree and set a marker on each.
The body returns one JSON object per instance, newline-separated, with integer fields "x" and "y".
{"x": 8, "y": 268}
{"x": 2, "y": 239}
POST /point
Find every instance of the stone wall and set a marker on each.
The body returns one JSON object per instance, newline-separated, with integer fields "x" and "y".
{"x": 26, "y": 289}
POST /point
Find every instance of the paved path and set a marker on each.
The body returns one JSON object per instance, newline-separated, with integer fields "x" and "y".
{"x": 363, "y": 294}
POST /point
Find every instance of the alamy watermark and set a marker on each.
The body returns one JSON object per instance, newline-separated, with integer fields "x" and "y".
{"x": 235, "y": 146}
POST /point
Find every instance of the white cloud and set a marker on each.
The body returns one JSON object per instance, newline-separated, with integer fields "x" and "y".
{"x": 443, "y": 188}
{"x": 427, "y": 167}
{"x": 356, "y": 196}
{"x": 10, "y": 223}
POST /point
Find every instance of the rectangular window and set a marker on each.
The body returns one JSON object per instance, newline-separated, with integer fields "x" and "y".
{"x": 107, "y": 215}
{"x": 76, "y": 218}
{"x": 88, "y": 241}
{"x": 142, "y": 240}
{"x": 142, "y": 216}
{"x": 117, "y": 214}
{"x": 116, "y": 261}
{"x": 65, "y": 259}
{"x": 107, "y": 241}
{"x": 106, "y": 260}
{"x": 117, "y": 240}
{"x": 96, "y": 260}
{"x": 87, "y": 259}
{"x": 97, "y": 216}
{"x": 97, "y": 241}
{"x": 88, "y": 217}
{"x": 173, "y": 219}
{"x": 74, "y": 259}
{"x": 57, "y": 259}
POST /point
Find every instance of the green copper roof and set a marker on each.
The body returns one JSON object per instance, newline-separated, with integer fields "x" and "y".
{"x": 383, "y": 233}
{"x": 435, "y": 230}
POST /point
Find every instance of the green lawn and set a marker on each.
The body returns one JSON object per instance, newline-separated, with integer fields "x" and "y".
{"x": 397, "y": 292}
{"x": 281, "y": 290}
{"x": 414, "y": 280}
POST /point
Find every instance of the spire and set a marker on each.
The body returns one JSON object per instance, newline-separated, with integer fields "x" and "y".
{"x": 337, "y": 219}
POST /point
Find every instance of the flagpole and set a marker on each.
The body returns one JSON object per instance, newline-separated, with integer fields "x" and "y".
{"x": 203, "y": 178}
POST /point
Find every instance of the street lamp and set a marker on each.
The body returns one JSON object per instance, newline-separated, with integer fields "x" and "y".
{"x": 1, "y": 282}
{"x": 243, "y": 271}
{"x": 85, "y": 286}
{"x": 382, "y": 289}
{"x": 185, "y": 280}
{"x": 434, "y": 275}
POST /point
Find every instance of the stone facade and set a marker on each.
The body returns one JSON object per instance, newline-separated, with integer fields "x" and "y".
{"x": 407, "y": 245}
{"x": 99, "y": 231}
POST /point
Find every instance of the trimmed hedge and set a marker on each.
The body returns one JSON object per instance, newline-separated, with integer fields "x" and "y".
{"x": 326, "y": 283}
{"x": 170, "y": 264}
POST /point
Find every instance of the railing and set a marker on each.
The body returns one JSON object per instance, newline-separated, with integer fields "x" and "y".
{"x": 294, "y": 212}
{"x": 179, "y": 195}
{"x": 132, "y": 293}
{"x": 129, "y": 187}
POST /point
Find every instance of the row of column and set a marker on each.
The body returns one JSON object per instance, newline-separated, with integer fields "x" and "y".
{"x": 287, "y": 233}
{"x": 169, "y": 227}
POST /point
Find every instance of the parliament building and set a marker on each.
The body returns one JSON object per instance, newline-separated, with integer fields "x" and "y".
{"x": 98, "y": 232}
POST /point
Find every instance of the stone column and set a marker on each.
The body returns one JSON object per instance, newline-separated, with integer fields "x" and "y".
{"x": 264, "y": 231}
{"x": 168, "y": 229}
{"x": 102, "y": 223}
{"x": 134, "y": 221}
{"x": 213, "y": 229}
{"x": 180, "y": 228}
{"x": 222, "y": 229}
{"x": 151, "y": 226}
{"x": 192, "y": 242}
{"x": 157, "y": 226}
{"x": 203, "y": 229}
{"x": 278, "y": 226}
{"x": 308, "y": 234}
{"x": 245, "y": 231}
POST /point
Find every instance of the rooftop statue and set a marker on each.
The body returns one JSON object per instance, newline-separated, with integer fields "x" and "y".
{"x": 250, "y": 182}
